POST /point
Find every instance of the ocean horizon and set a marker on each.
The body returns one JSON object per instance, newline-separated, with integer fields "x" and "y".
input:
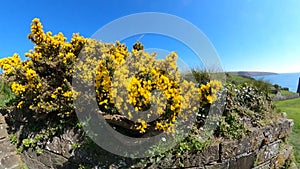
{"x": 289, "y": 80}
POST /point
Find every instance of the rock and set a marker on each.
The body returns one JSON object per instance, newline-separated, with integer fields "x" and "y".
{"x": 12, "y": 161}
{"x": 267, "y": 152}
{"x": 246, "y": 161}
{"x": 231, "y": 149}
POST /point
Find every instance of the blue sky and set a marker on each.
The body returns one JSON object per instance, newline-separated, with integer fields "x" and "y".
{"x": 247, "y": 34}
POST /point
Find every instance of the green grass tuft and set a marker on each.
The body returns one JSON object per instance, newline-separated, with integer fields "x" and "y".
{"x": 5, "y": 93}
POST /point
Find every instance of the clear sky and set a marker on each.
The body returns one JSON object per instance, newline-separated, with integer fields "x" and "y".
{"x": 247, "y": 34}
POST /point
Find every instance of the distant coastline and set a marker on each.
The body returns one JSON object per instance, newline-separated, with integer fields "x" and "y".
{"x": 252, "y": 73}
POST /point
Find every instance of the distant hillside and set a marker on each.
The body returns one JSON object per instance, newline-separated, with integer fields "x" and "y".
{"x": 251, "y": 73}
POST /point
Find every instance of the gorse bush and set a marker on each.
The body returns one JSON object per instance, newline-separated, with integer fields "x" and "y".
{"x": 42, "y": 83}
{"x": 126, "y": 83}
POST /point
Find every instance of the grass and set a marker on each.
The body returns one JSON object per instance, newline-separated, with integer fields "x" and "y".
{"x": 237, "y": 78}
{"x": 292, "y": 108}
{"x": 5, "y": 93}
{"x": 286, "y": 92}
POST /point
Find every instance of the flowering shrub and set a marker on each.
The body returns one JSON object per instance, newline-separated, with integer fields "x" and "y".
{"x": 42, "y": 83}
{"x": 127, "y": 83}
{"x": 139, "y": 87}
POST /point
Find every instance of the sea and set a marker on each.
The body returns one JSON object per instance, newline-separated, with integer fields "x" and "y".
{"x": 289, "y": 80}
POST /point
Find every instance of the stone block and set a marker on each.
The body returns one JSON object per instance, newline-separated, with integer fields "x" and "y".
{"x": 245, "y": 161}
{"x": 256, "y": 138}
{"x": 231, "y": 149}
{"x": 267, "y": 152}
{"x": 6, "y": 149}
{"x": 271, "y": 132}
{"x": 12, "y": 161}
{"x": 209, "y": 154}
{"x": 286, "y": 127}
{"x": 223, "y": 165}
{"x": 43, "y": 161}
{"x": 284, "y": 153}
{"x": 265, "y": 165}
{"x": 3, "y": 131}
{"x": 2, "y": 119}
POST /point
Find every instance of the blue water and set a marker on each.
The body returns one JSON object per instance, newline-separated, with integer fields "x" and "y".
{"x": 289, "y": 80}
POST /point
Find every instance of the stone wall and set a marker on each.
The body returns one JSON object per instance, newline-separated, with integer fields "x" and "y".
{"x": 263, "y": 148}
{"x": 280, "y": 97}
{"x": 8, "y": 156}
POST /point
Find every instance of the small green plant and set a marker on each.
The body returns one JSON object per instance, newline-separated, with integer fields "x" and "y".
{"x": 231, "y": 126}
{"x": 13, "y": 138}
{"x": 75, "y": 146}
{"x": 82, "y": 166}
{"x": 39, "y": 151}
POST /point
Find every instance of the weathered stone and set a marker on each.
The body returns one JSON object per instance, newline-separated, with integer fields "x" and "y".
{"x": 6, "y": 149}
{"x": 2, "y": 119}
{"x": 231, "y": 149}
{"x": 12, "y": 161}
{"x": 198, "y": 167}
{"x": 267, "y": 152}
{"x": 265, "y": 165}
{"x": 286, "y": 127}
{"x": 3, "y": 131}
{"x": 43, "y": 161}
{"x": 245, "y": 161}
{"x": 284, "y": 153}
{"x": 54, "y": 145}
{"x": 260, "y": 148}
{"x": 8, "y": 157}
{"x": 224, "y": 165}
{"x": 256, "y": 138}
{"x": 271, "y": 132}
{"x": 207, "y": 155}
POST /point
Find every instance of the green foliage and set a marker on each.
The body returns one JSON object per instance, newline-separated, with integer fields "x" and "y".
{"x": 6, "y": 95}
{"x": 201, "y": 76}
{"x": 39, "y": 151}
{"x": 75, "y": 146}
{"x": 231, "y": 126}
{"x": 13, "y": 138}
{"x": 246, "y": 107}
{"x": 189, "y": 145}
{"x": 237, "y": 79}
{"x": 262, "y": 85}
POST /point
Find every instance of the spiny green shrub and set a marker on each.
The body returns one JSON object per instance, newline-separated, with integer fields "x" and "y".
{"x": 44, "y": 94}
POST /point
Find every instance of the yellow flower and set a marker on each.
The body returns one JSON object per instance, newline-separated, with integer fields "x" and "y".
{"x": 53, "y": 95}
{"x": 20, "y": 104}
{"x": 17, "y": 88}
{"x": 68, "y": 94}
{"x": 30, "y": 74}
{"x": 39, "y": 85}
{"x": 209, "y": 99}
{"x": 143, "y": 125}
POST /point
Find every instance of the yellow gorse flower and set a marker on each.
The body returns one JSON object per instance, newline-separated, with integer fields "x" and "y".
{"x": 126, "y": 82}
{"x": 30, "y": 74}
{"x": 142, "y": 125}
{"x": 17, "y": 88}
